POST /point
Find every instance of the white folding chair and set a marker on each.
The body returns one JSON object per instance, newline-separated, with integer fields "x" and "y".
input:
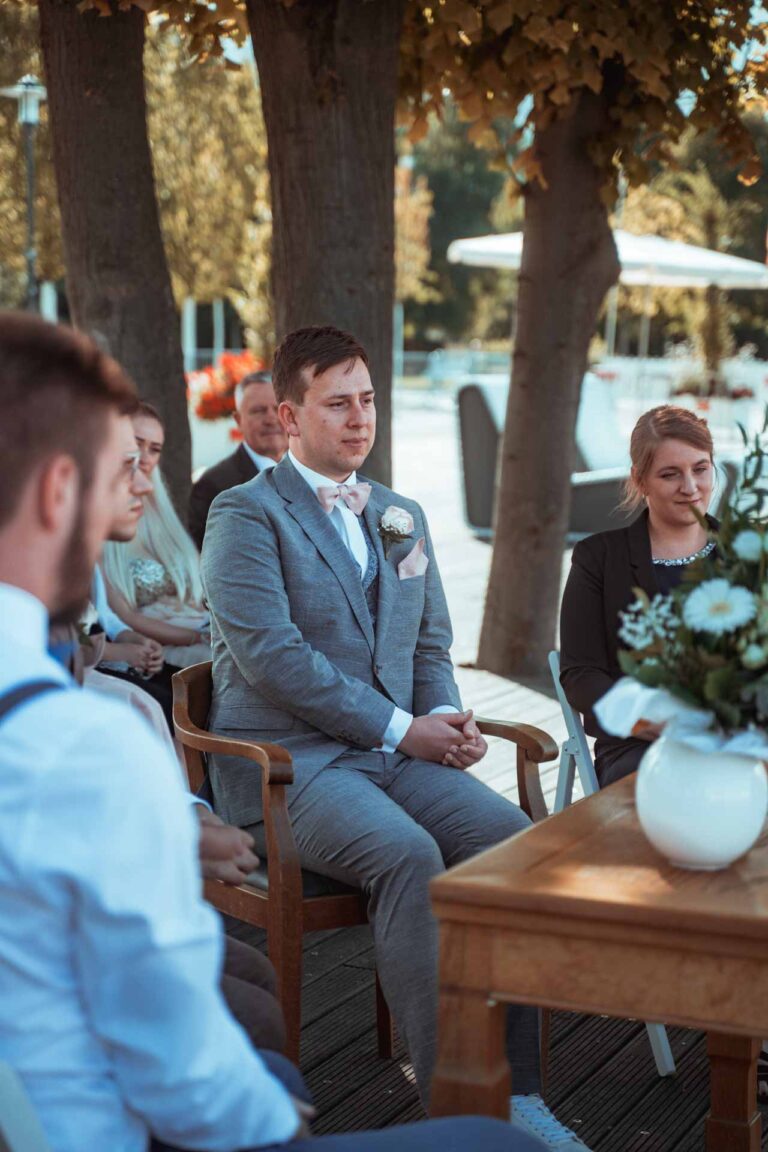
{"x": 575, "y": 756}
{"x": 574, "y": 751}
{"x": 20, "y": 1129}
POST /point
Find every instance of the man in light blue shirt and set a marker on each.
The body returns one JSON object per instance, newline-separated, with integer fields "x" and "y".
{"x": 110, "y": 1008}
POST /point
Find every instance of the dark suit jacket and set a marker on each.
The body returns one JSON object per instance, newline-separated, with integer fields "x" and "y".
{"x": 605, "y": 569}
{"x": 232, "y": 470}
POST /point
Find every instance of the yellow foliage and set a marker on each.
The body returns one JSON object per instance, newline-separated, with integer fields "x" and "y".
{"x": 687, "y": 206}
{"x": 209, "y": 154}
{"x": 639, "y": 57}
{"x": 209, "y": 157}
{"x": 413, "y": 208}
{"x": 20, "y": 55}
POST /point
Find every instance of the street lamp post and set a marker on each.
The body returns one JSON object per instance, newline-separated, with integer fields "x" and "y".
{"x": 29, "y": 94}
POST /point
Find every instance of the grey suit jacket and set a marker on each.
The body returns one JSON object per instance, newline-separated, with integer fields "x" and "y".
{"x": 296, "y": 660}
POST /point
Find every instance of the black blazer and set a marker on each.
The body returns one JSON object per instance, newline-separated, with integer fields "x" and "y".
{"x": 605, "y": 568}
{"x": 238, "y": 468}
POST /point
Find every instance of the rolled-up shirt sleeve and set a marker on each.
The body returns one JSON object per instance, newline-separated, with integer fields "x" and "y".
{"x": 149, "y": 953}
{"x": 109, "y": 620}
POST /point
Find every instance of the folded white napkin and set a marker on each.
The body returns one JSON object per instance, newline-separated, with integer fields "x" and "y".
{"x": 629, "y": 704}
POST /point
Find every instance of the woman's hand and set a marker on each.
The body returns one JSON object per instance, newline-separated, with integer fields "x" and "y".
{"x": 155, "y": 656}
{"x": 225, "y": 851}
{"x": 126, "y": 653}
{"x": 644, "y": 730}
{"x": 145, "y": 657}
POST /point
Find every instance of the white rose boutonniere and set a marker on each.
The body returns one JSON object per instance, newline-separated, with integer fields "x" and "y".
{"x": 395, "y": 526}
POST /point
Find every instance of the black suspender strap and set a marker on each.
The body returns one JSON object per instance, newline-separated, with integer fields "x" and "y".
{"x": 24, "y": 692}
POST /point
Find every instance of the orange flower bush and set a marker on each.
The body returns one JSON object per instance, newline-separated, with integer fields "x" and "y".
{"x": 211, "y": 390}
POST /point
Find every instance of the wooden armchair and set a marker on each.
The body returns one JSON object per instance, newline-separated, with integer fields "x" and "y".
{"x": 281, "y": 897}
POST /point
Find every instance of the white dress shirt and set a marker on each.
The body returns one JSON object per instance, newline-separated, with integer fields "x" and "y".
{"x": 347, "y": 524}
{"x": 344, "y": 520}
{"x": 263, "y": 463}
{"x": 110, "y": 1008}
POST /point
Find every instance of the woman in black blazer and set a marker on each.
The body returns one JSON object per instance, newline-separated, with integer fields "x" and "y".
{"x": 672, "y": 473}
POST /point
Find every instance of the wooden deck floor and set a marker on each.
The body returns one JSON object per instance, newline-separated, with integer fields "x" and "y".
{"x": 603, "y": 1081}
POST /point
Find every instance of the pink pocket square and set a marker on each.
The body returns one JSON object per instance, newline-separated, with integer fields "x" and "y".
{"x": 415, "y": 563}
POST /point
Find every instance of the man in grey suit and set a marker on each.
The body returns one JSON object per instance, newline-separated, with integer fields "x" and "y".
{"x": 331, "y": 637}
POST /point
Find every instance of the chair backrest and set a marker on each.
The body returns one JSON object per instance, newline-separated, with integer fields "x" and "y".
{"x": 599, "y": 438}
{"x": 479, "y": 436}
{"x": 577, "y": 737}
{"x": 482, "y": 410}
{"x": 20, "y": 1129}
{"x": 192, "y": 690}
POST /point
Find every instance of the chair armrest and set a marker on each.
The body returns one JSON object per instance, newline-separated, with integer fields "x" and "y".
{"x": 277, "y": 771}
{"x": 534, "y": 747}
{"x": 274, "y": 761}
{"x": 538, "y": 744}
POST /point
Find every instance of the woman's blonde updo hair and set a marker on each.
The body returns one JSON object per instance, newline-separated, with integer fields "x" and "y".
{"x": 667, "y": 422}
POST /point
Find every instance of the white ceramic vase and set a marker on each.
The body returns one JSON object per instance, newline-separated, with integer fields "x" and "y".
{"x": 700, "y": 809}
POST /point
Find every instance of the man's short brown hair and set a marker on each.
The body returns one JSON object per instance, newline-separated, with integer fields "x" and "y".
{"x": 56, "y": 391}
{"x": 317, "y": 348}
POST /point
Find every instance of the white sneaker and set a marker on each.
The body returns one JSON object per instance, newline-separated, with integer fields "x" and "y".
{"x": 530, "y": 1114}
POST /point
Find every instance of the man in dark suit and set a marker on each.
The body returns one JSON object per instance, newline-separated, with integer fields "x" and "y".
{"x": 264, "y": 444}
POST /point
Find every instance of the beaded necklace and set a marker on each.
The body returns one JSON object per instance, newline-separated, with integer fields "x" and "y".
{"x": 678, "y": 562}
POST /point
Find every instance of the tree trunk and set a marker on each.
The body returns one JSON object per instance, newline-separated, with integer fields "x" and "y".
{"x": 569, "y": 262}
{"x": 118, "y": 284}
{"x": 328, "y": 71}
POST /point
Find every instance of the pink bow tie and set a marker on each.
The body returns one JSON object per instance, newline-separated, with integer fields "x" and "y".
{"x": 355, "y": 496}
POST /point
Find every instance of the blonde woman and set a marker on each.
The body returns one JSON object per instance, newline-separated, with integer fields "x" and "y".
{"x": 153, "y": 582}
{"x": 670, "y": 485}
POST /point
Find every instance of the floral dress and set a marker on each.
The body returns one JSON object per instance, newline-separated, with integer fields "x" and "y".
{"x": 156, "y": 596}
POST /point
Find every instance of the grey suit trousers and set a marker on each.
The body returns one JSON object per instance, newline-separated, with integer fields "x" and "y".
{"x": 387, "y": 824}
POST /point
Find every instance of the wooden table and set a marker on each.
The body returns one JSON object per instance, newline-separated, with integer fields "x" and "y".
{"x": 581, "y": 913}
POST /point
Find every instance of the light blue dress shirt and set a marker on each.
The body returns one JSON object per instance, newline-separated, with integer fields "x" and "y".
{"x": 109, "y": 620}
{"x": 263, "y": 463}
{"x": 110, "y": 1008}
{"x": 348, "y": 527}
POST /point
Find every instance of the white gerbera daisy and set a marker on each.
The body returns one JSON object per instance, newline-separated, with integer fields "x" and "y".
{"x": 748, "y": 545}
{"x": 754, "y": 657}
{"x": 717, "y": 606}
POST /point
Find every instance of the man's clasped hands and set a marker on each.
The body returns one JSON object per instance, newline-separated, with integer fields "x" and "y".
{"x": 450, "y": 738}
{"x": 453, "y": 739}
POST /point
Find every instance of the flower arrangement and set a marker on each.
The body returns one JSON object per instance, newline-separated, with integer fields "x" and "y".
{"x": 705, "y": 645}
{"x": 395, "y": 527}
{"x": 211, "y": 390}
